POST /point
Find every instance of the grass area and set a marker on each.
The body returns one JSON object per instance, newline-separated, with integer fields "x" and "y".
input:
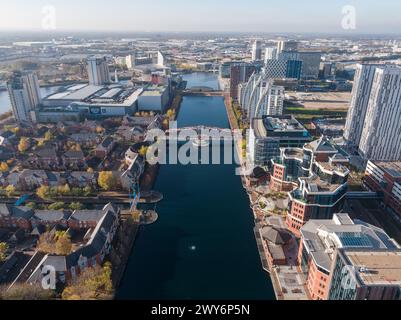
{"x": 301, "y": 113}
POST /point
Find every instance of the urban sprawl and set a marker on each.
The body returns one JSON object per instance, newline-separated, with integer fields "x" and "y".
{"x": 322, "y": 129}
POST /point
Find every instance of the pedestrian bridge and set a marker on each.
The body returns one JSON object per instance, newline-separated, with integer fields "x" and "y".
{"x": 199, "y": 132}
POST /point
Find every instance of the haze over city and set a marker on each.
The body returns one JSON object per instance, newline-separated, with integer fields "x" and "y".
{"x": 208, "y": 15}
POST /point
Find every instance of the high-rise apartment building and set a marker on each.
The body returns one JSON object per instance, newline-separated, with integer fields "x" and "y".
{"x": 381, "y": 134}
{"x": 130, "y": 61}
{"x": 257, "y": 50}
{"x": 98, "y": 71}
{"x": 364, "y": 75}
{"x": 270, "y": 54}
{"x": 25, "y": 96}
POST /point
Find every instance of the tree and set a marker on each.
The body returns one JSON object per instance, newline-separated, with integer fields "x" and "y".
{"x": 171, "y": 114}
{"x": 76, "y": 206}
{"x": 25, "y": 291}
{"x": 143, "y": 151}
{"x": 106, "y": 180}
{"x": 10, "y": 190}
{"x": 43, "y": 192}
{"x": 48, "y": 136}
{"x": 57, "y": 206}
{"x": 63, "y": 245}
{"x": 87, "y": 191}
{"x": 92, "y": 283}
{"x": 4, "y": 167}
{"x": 24, "y": 144}
{"x": 64, "y": 190}
{"x": 3, "y": 250}
{"x": 99, "y": 129}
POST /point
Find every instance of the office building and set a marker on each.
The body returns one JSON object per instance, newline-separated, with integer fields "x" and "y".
{"x": 257, "y": 50}
{"x": 281, "y": 69}
{"x": 321, "y": 251}
{"x": 295, "y": 163}
{"x": 287, "y": 46}
{"x": 225, "y": 69}
{"x": 361, "y": 91}
{"x": 268, "y": 134}
{"x": 320, "y": 193}
{"x": 294, "y": 69}
{"x": 98, "y": 71}
{"x": 381, "y": 134}
{"x": 310, "y": 64}
{"x": 385, "y": 178}
{"x": 363, "y": 274}
{"x": 24, "y": 91}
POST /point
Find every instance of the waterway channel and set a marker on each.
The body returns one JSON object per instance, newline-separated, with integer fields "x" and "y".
{"x": 203, "y": 245}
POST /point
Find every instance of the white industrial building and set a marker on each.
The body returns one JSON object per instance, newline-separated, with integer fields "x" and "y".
{"x": 154, "y": 98}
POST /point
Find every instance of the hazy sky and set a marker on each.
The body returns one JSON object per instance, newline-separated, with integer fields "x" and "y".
{"x": 372, "y": 16}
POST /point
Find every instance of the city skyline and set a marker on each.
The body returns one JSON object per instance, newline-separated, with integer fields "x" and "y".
{"x": 179, "y": 16}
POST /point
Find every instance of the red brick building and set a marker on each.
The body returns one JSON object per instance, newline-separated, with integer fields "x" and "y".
{"x": 385, "y": 178}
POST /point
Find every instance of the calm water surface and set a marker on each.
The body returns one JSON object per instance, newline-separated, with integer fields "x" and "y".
{"x": 202, "y": 246}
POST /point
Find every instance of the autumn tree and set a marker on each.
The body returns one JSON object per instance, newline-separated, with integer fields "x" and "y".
{"x": 143, "y": 151}
{"x": 48, "y": 136}
{"x": 4, "y": 167}
{"x": 107, "y": 180}
{"x": 24, "y": 144}
{"x": 43, "y": 192}
{"x": 99, "y": 130}
{"x": 63, "y": 244}
{"x": 64, "y": 190}
{"x": 91, "y": 284}
{"x": 3, "y": 250}
{"x": 10, "y": 190}
{"x": 25, "y": 291}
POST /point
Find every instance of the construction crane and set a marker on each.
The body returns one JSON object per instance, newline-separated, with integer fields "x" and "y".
{"x": 134, "y": 195}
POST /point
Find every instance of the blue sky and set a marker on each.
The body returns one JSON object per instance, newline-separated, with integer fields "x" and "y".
{"x": 206, "y": 15}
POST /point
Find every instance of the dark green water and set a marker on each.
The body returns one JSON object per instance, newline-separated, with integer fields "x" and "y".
{"x": 202, "y": 246}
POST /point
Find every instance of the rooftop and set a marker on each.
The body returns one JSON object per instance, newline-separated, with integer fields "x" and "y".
{"x": 278, "y": 126}
{"x": 114, "y": 95}
{"x": 322, "y": 237}
{"x": 391, "y": 168}
{"x": 376, "y": 267}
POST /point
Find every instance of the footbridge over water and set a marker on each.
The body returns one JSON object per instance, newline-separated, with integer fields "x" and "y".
{"x": 200, "y": 133}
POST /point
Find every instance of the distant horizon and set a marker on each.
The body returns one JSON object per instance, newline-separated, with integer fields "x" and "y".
{"x": 217, "y": 16}
{"x": 44, "y": 33}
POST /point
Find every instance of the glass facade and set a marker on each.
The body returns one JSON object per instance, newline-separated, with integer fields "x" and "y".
{"x": 340, "y": 289}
